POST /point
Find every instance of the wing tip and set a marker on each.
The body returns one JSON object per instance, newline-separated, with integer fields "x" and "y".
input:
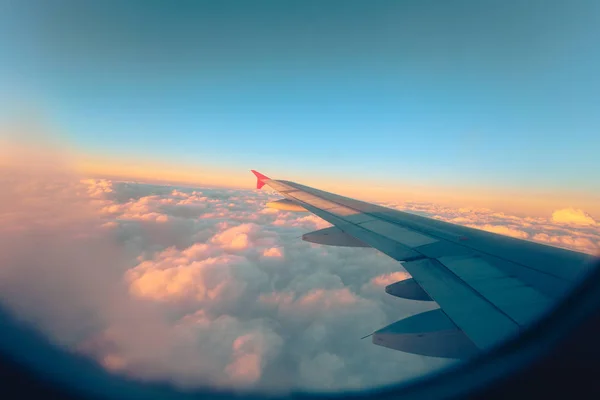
{"x": 260, "y": 178}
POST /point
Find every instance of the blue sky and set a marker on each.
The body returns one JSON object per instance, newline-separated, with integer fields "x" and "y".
{"x": 502, "y": 93}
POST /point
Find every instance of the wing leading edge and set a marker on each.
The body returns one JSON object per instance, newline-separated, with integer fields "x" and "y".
{"x": 489, "y": 287}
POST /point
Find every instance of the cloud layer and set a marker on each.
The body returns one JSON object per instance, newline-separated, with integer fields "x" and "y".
{"x": 568, "y": 228}
{"x": 197, "y": 287}
{"x": 206, "y": 286}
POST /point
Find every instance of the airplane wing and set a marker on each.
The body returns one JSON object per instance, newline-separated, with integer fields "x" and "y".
{"x": 489, "y": 287}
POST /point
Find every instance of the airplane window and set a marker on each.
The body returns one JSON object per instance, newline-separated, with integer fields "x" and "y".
{"x": 426, "y": 192}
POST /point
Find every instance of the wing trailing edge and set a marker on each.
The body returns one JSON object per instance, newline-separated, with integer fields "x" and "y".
{"x": 430, "y": 333}
{"x": 408, "y": 289}
{"x": 333, "y": 236}
{"x": 286, "y": 205}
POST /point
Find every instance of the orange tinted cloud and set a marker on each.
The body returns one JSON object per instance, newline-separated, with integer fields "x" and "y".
{"x": 388, "y": 279}
{"x": 572, "y": 216}
{"x": 273, "y": 252}
{"x": 161, "y": 172}
{"x": 501, "y": 229}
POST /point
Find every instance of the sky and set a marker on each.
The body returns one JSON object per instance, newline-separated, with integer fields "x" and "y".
{"x": 490, "y": 103}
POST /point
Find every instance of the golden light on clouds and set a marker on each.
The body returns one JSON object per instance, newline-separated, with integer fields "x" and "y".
{"x": 162, "y": 173}
{"x": 520, "y": 201}
{"x": 532, "y": 202}
{"x": 32, "y": 146}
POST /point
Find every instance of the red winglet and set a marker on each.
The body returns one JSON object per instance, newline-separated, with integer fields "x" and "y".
{"x": 260, "y": 178}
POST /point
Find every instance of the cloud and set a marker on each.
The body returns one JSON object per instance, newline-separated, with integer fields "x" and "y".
{"x": 248, "y": 357}
{"x": 568, "y": 228}
{"x": 197, "y": 286}
{"x": 501, "y": 229}
{"x": 237, "y": 237}
{"x": 273, "y": 252}
{"x": 388, "y": 279}
{"x": 572, "y": 216}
